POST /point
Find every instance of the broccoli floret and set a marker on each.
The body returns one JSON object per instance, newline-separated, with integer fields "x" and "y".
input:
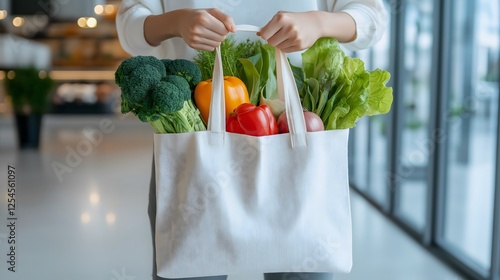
{"x": 125, "y": 69}
{"x": 163, "y": 100}
{"x": 140, "y": 81}
{"x": 181, "y": 83}
{"x": 136, "y": 76}
{"x": 169, "y": 97}
{"x": 183, "y": 68}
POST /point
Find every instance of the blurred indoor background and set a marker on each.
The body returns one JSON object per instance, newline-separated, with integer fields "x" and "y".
{"x": 425, "y": 189}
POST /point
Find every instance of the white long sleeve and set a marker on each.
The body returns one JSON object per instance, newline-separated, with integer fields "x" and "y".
{"x": 369, "y": 15}
{"x": 371, "y": 21}
{"x": 130, "y": 26}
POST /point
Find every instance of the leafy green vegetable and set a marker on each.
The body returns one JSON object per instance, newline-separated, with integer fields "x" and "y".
{"x": 268, "y": 74}
{"x": 298, "y": 75}
{"x": 338, "y": 88}
{"x": 322, "y": 60}
{"x": 231, "y": 52}
{"x": 252, "y": 80}
{"x": 260, "y": 74}
{"x": 381, "y": 97}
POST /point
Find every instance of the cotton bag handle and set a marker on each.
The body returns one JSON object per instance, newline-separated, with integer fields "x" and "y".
{"x": 287, "y": 91}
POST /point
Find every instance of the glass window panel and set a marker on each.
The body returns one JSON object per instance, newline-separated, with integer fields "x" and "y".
{"x": 413, "y": 162}
{"x": 359, "y": 154}
{"x": 359, "y": 141}
{"x": 379, "y": 131}
{"x": 381, "y": 55}
{"x": 472, "y": 120}
{"x": 378, "y": 159}
{"x": 498, "y": 262}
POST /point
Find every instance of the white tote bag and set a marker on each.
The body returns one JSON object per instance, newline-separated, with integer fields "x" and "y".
{"x": 230, "y": 203}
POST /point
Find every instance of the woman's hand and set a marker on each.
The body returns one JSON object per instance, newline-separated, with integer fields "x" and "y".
{"x": 201, "y": 29}
{"x": 205, "y": 29}
{"x": 292, "y": 32}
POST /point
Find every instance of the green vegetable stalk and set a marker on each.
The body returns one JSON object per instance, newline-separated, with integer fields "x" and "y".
{"x": 159, "y": 92}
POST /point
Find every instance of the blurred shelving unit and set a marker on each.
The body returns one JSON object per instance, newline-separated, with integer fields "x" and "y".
{"x": 85, "y": 52}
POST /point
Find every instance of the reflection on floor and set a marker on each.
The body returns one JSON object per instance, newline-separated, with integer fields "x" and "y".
{"x": 82, "y": 200}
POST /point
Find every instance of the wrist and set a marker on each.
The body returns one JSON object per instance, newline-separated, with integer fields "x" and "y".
{"x": 173, "y": 21}
{"x": 338, "y": 25}
{"x": 158, "y": 28}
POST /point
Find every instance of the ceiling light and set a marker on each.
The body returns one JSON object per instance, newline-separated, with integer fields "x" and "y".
{"x": 94, "y": 198}
{"x": 3, "y": 14}
{"x": 99, "y": 9}
{"x": 18, "y": 21}
{"x": 11, "y": 74}
{"x": 87, "y": 22}
{"x": 109, "y": 9}
{"x": 82, "y": 22}
{"x": 110, "y": 218}
{"x": 85, "y": 218}
{"x": 91, "y": 22}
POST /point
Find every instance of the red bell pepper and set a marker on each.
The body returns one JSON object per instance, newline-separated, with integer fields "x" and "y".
{"x": 252, "y": 120}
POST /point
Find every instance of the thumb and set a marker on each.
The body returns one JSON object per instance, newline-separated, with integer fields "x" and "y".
{"x": 226, "y": 19}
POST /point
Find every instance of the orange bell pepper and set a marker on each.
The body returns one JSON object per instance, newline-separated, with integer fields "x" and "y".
{"x": 235, "y": 94}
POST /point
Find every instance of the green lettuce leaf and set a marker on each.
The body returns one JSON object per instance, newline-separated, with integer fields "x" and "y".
{"x": 380, "y": 99}
{"x": 345, "y": 91}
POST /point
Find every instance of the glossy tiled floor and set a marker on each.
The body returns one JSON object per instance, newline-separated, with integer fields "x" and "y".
{"x": 90, "y": 221}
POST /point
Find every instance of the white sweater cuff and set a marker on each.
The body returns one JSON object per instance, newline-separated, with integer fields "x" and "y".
{"x": 369, "y": 29}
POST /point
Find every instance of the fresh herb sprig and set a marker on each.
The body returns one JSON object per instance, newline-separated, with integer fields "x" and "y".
{"x": 231, "y": 51}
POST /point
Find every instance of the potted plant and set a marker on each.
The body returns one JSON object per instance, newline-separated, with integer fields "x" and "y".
{"x": 29, "y": 89}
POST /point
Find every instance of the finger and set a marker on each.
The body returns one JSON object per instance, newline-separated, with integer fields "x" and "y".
{"x": 202, "y": 47}
{"x": 271, "y": 28}
{"x": 278, "y": 38}
{"x": 211, "y": 35}
{"x": 285, "y": 45}
{"x": 204, "y": 37}
{"x": 205, "y": 44}
{"x": 291, "y": 46}
{"x": 289, "y": 49}
{"x": 224, "y": 18}
{"x": 294, "y": 44}
{"x": 216, "y": 26}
